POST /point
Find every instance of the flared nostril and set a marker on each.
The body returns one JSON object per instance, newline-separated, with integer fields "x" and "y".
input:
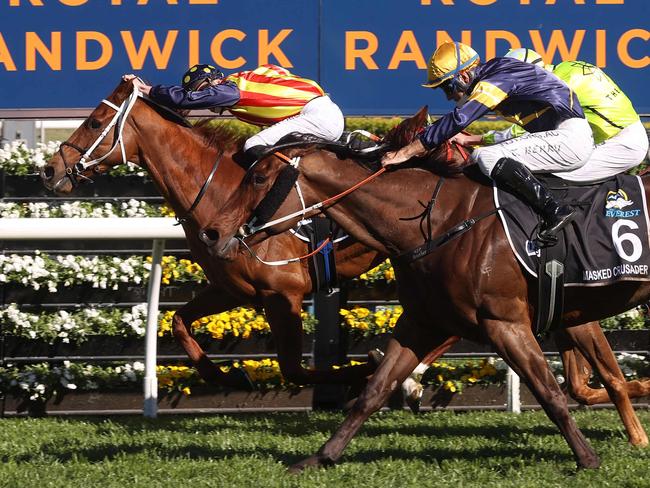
{"x": 209, "y": 237}
{"x": 48, "y": 172}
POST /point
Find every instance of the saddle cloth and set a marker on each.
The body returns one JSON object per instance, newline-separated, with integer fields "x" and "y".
{"x": 607, "y": 241}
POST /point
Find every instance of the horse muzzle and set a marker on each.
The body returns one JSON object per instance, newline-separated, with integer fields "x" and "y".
{"x": 225, "y": 249}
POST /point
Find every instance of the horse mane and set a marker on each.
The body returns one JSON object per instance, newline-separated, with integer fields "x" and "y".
{"x": 218, "y": 135}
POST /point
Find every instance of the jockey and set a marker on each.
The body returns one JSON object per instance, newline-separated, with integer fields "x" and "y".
{"x": 559, "y": 137}
{"x": 268, "y": 96}
{"x": 620, "y": 138}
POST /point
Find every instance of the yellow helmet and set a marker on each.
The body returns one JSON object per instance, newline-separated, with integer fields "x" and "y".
{"x": 450, "y": 59}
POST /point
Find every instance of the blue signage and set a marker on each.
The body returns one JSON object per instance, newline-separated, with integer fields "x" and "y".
{"x": 370, "y": 55}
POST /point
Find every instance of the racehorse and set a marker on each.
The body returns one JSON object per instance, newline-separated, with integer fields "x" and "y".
{"x": 183, "y": 162}
{"x": 473, "y": 286}
{"x": 178, "y": 159}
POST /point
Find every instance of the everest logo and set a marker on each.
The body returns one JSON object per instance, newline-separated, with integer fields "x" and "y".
{"x": 617, "y": 199}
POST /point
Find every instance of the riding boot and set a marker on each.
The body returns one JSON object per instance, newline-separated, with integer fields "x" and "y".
{"x": 250, "y": 156}
{"x": 515, "y": 178}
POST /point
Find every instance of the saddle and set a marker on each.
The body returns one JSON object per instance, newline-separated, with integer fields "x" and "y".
{"x": 605, "y": 243}
{"x": 351, "y": 145}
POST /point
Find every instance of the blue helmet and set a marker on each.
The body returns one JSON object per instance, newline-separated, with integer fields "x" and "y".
{"x": 199, "y": 73}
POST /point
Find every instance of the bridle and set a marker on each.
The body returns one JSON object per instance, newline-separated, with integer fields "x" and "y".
{"x": 249, "y": 228}
{"x": 75, "y": 171}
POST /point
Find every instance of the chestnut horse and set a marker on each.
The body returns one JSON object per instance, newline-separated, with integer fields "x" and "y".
{"x": 473, "y": 286}
{"x": 178, "y": 159}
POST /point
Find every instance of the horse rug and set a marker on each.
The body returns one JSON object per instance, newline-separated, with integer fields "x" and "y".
{"x": 606, "y": 242}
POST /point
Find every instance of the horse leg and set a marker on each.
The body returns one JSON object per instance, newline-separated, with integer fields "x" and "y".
{"x": 518, "y": 347}
{"x": 591, "y": 343}
{"x": 209, "y": 301}
{"x": 402, "y": 355}
{"x": 578, "y": 373}
{"x": 283, "y": 314}
{"x": 412, "y": 388}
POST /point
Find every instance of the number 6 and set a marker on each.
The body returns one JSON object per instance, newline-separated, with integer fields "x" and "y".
{"x": 632, "y": 238}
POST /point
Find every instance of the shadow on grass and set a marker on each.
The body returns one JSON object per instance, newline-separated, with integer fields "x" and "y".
{"x": 298, "y": 424}
{"x": 507, "y": 455}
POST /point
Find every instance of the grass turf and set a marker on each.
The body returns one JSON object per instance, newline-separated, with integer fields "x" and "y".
{"x": 394, "y": 449}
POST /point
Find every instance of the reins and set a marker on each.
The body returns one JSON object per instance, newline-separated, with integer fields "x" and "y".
{"x": 202, "y": 190}
{"x": 249, "y": 228}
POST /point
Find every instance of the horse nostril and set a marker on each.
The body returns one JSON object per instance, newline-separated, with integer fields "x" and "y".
{"x": 48, "y": 172}
{"x": 209, "y": 237}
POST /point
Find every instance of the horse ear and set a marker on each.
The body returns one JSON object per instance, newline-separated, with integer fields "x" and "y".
{"x": 421, "y": 115}
{"x": 405, "y": 132}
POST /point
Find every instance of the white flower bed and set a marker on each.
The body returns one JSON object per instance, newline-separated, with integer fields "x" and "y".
{"x": 74, "y": 326}
{"x": 18, "y": 159}
{"x": 79, "y": 209}
{"x": 41, "y": 270}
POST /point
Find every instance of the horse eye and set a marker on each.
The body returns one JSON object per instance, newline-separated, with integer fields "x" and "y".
{"x": 259, "y": 179}
{"x": 94, "y": 123}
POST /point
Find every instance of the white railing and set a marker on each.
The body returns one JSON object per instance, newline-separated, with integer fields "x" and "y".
{"x": 156, "y": 229}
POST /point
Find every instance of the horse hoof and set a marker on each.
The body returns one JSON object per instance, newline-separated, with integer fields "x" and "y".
{"x": 310, "y": 462}
{"x": 414, "y": 398}
{"x": 590, "y": 463}
{"x": 239, "y": 379}
{"x": 375, "y": 357}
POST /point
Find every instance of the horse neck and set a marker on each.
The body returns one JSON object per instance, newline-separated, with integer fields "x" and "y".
{"x": 179, "y": 161}
{"x": 374, "y": 214}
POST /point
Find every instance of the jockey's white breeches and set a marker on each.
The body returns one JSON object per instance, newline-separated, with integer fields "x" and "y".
{"x": 320, "y": 117}
{"x": 565, "y": 148}
{"x": 617, "y": 154}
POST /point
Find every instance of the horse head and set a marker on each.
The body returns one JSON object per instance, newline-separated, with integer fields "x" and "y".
{"x": 100, "y": 142}
{"x": 263, "y": 189}
{"x": 447, "y": 158}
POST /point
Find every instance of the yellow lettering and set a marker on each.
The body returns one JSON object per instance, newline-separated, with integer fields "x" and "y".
{"x": 5, "y": 55}
{"x": 557, "y": 43}
{"x": 266, "y": 49}
{"x": 116, "y": 2}
{"x": 35, "y": 3}
{"x": 204, "y": 2}
{"x": 483, "y": 2}
{"x": 610, "y": 2}
{"x": 352, "y": 52}
{"x": 194, "y": 54}
{"x": 601, "y": 48}
{"x": 73, "y": 3}
{"x": 622, "y": 48}
{"x": 491, "y": 38}
{"x": 217, "y": 55}
{"x": 407, "y": 41}
{"x": 577, "y": 2}
{"x": 149, "y": 44}
{"x": 145, "y": 2}
{"x": 82, "y": 52}
{"x": 34, "y": 44}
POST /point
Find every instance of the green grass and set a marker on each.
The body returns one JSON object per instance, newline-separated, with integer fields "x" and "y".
{"x": 393, "y": 450}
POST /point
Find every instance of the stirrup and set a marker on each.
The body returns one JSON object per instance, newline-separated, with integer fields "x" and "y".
{"x": 545, "y": 240}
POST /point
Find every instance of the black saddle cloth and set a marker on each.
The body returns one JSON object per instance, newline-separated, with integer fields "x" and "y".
{"x": 607, "y": 241}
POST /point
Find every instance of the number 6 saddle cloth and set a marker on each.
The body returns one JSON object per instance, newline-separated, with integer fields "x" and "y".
{"x": 608, "y": 240}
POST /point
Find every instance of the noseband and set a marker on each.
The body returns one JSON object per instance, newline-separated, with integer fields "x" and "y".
{"x": 74, "y": 171}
